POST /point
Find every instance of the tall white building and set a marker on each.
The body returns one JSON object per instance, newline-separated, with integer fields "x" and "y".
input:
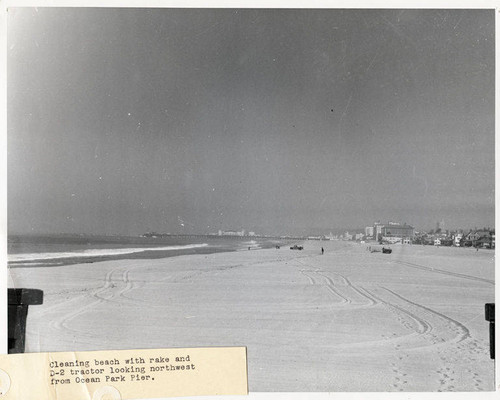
{"x": 369, "y": 231}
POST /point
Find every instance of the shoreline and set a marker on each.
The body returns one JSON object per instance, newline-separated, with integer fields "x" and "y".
{"x": 87, "y": 254}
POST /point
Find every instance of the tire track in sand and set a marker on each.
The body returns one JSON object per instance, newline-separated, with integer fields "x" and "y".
{"x": 419, "y": 325}
{"x": 443, "y": 272}
{"x": 413, "y": 323}
{"x": 459, "y": 331}
{"x": 330, "y": 285}
{"x": 371, "y": 301}
{"x": 105, "y": 293}
{"x": 462, "y": 343}
{"x": 339, "y": 285}
{"x": 446, "y": 336}
{"x": 429, "y": 328}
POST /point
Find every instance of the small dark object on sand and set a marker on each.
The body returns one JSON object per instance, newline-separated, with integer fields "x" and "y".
{"x": 386, "y": 251}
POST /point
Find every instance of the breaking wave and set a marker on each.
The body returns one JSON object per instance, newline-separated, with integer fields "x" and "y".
{"x": 27, "y": 257}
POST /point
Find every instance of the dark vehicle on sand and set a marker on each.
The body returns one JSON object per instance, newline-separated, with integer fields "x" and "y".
{"x": 296, "y": 247}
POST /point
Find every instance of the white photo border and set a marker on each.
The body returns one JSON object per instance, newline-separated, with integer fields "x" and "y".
{"x": 374, "y": 4}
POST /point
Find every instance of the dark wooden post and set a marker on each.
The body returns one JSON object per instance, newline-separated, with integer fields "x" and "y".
{"x": 19, "y": 300}
{"x": 489, "y": 312}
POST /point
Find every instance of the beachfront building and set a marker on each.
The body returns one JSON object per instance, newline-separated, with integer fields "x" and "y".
{"x": 483, "y": 238}
{"x": 457, "y": 239}
{"x": 377, "y": 231}
{"x": 369, "y": 232}
{"x": 394, "y": 232}
{"x": 397, "y": 233}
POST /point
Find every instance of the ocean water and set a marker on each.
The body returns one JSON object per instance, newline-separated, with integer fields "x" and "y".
{"x": 57, "y": 250}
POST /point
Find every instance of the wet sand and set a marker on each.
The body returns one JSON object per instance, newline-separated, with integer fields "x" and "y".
{"x": 348, "y": 320}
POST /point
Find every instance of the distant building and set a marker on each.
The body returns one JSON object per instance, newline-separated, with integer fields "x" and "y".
{"x": 369, "y": 231}
{"x": 483, "y": 238}
{"x": 232, "y": 233}
{"x": 377, "y": 231}
{"x": 446, "y": 241}
{"x": 314, "y": 238}
{"x": 347, "y": 236}
{"x": 457, "y": 239}
{"x": 397, "y": 232}
{"x": 394, "y": 232}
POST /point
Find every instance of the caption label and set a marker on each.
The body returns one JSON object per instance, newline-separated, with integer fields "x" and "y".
{"x": 124, "y": 374}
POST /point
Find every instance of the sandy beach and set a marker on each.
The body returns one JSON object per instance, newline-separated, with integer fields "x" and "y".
{"x": 348, "y": 320}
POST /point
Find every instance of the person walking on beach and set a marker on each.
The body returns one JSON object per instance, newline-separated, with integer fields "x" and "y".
{"x": 322, "y": 250}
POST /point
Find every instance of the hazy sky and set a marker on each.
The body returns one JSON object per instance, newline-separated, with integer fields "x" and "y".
{"x": 280, "y": 121}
